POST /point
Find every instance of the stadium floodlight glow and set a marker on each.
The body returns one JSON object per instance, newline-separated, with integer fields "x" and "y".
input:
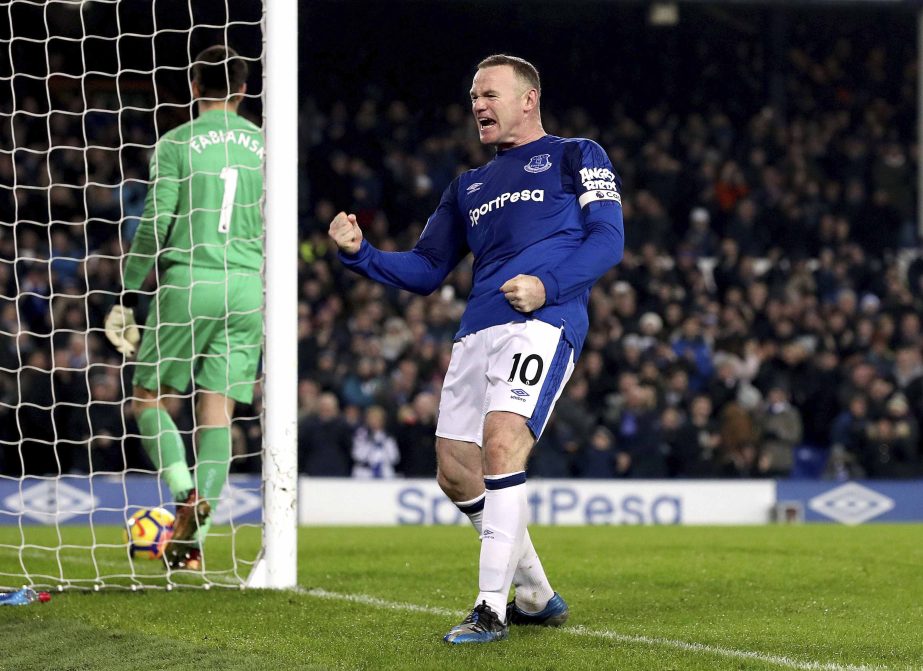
{"x": 86, "y": 91}
{"x": 663, "y": 14}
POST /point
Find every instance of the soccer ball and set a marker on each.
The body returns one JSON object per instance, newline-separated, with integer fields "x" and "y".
{"x": 148, "y": 532}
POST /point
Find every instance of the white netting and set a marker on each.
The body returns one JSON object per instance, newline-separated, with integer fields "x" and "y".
{"x": 86, "y": 89}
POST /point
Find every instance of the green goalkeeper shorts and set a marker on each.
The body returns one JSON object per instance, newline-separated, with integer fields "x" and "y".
{"x": 205, "y": 327}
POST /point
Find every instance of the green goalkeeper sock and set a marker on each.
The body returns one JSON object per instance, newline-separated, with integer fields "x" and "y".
{"x": 164, "y": 445}
{"x": 212, "y": 463}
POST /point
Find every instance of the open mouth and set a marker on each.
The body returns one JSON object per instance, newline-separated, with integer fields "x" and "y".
{"x": 486, "y": 123}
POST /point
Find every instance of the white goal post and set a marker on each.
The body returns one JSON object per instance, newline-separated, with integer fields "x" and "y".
{"x": 87, "y": 88}
{"x": 278, "y": 566}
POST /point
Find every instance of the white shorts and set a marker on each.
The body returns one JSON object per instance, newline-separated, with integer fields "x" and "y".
{"x": 519, "y": 368}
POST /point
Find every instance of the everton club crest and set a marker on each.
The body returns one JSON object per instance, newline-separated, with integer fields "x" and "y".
{"x": 538, "y": 163}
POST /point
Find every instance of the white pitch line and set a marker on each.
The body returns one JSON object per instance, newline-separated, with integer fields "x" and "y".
{"x": 777, "y": 660}
{"x": 366, "y": 600}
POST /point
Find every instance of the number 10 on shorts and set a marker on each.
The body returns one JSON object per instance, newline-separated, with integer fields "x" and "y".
{"x": 530, "y": 372}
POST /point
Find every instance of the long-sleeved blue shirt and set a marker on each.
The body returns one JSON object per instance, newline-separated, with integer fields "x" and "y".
{"x": 551, "y": 208}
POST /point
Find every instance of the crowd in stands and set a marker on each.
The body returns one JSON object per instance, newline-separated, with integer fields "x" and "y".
{"x": 765, "y": 320}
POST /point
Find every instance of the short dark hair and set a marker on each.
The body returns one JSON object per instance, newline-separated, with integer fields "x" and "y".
{"x": 219, "y": 71}
{"x": 523, "y": 68}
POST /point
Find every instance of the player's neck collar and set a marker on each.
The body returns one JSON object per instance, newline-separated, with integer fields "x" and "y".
{"x": 522, "y": 147}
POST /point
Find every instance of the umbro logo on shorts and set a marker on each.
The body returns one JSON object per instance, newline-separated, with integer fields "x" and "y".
{"x": 519, "y": 394}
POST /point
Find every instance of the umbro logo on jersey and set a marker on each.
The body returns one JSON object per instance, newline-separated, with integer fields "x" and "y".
{"x": 474, "y": 187}
{"x": 519, "y": 392}
{"x": 487, "y": 533}
{"x": 538, "y": 163}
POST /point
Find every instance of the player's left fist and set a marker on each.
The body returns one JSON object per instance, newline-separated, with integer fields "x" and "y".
{"x": 525, "y": 293}
{"x": 122, "y": 331}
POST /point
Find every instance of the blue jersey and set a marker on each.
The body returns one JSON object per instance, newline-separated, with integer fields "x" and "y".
{"x": 550, "y": 208}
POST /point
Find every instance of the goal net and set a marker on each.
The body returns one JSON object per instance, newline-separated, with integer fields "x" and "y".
{"x": 86, "y": 90}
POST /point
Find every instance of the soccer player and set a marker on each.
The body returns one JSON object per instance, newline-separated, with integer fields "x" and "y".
{"x": 544, "y": 222}
{"x": 203, "y": 229}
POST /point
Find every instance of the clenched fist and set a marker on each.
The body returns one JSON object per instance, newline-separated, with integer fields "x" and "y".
{"x": 122, "y": 331}
{"x": 346, "y": 232}
{"x": 524, "y": 293}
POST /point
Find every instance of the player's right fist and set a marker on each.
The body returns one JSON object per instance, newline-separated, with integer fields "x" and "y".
{"x": 346, "y": 232}
{"x": 122, "y": 331}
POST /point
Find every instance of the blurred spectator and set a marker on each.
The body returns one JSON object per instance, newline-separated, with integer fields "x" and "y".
{"x": 677, "y": 393}
{"x": 325, "y": 440}
{"x": 737, "y": 446}
{"x": 568, "y": 432}
{"x": 638, "y": 436}
{"x": 781, "y": 428}
{"x": 415, "y": 431}
{"x": 690, "y": 345}
{"x": 678, "y": 443}
{"x": 105, "y": 448}
{"x": 700, "y": 240}
{"x": 598, "y": 457}
{"x": 891, "y": 448}
{"x": 374, "y": 450}
{"x": 361, "y": 388}
{"x": 702, "y": 459}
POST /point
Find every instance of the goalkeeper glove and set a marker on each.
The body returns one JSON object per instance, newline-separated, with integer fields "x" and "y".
{"x": 122, "y": 331}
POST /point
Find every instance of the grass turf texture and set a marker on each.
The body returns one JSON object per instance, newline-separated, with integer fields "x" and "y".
{"x": 791, "y": 595}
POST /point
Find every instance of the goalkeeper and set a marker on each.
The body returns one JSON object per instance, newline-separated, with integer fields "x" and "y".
{"x": 202, "y": 227}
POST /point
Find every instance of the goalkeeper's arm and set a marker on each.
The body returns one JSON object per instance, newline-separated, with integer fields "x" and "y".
{"x": 159, "y": 208}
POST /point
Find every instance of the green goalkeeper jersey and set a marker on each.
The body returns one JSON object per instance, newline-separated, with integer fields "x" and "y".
{"x": 203, "y": 208}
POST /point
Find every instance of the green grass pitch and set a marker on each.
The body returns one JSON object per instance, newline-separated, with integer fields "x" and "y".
{"x": 824, "y": 598}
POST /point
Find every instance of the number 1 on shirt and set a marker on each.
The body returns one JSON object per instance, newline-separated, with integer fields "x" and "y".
{"x": 229, "y": 177}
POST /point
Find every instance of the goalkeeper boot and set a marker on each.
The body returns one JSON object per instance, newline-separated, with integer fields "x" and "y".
{"x": 483, "y": 625}
{"x": 554, "y": 614}
{"x": 190, "y": 515}
{"x": 190, "y": 561}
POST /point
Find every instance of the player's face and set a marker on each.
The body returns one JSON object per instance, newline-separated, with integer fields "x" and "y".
{"x": 498, "y": 100}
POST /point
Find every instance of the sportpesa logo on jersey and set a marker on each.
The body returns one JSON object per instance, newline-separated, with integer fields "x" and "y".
{"x": 537, "y": 195}
{"x": 598, "y": 184}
